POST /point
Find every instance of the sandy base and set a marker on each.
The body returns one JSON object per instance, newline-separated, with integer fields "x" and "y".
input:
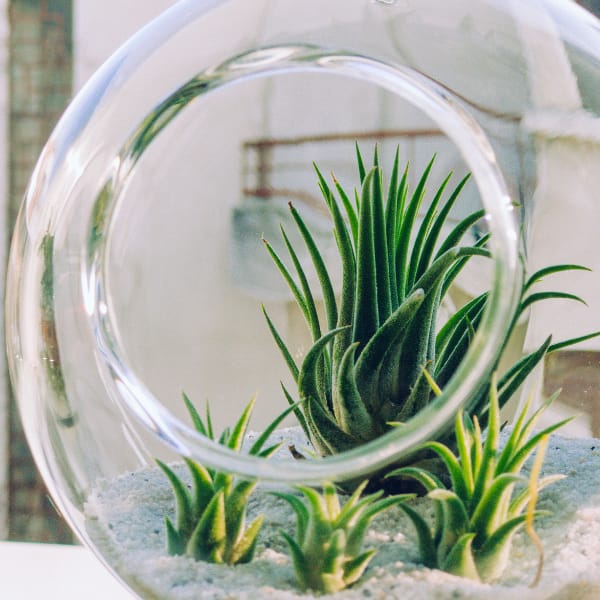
{"x": 126, "y": 520}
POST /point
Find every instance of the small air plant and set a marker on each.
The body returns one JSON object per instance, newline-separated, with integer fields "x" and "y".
{"x": 487, "y": 500}
{"x": 365, "y": 369}
{"x": 210, "y": 519}
{"x": 327, "y": 551}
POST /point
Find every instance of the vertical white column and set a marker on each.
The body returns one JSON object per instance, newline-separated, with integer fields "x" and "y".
{"x": 4, "y": 234}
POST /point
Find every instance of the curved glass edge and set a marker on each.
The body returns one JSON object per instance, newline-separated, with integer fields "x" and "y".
{"x": 127, "y": 389}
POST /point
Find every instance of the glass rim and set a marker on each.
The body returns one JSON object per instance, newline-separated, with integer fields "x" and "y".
{"x": 129, "y": 391}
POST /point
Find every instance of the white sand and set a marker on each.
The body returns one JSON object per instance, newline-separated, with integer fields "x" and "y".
{"x": 126, "y": 519}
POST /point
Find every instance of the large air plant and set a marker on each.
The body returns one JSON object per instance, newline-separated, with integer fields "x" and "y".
{"x": 365, "y": 369}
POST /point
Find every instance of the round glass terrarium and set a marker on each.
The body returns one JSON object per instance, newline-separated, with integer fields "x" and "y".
{"x": 176, "y": 238}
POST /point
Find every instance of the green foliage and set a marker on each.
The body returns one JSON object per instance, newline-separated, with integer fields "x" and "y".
{"x": 515, "y": 375}
{"x": 364, "y": 371}
{"x": 327, "y": 550}
{"x": 210, "y": 519}
{"x": 477, "y": 515}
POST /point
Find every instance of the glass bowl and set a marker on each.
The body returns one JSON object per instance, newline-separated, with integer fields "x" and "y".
{"x": 138, "y": 269}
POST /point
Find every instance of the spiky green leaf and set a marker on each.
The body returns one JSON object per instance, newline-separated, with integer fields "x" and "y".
{"x": 366, "y": 313}
{"x": 183, "y": 501}
{"x": 244, "y": 549}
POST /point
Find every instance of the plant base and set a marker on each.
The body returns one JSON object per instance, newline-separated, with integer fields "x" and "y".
{"x": 126, "y": 522}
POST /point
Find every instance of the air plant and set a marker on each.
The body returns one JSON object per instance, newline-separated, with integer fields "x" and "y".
{"x": 365, "y": 369}
{"x": 210, "y": 519}
{"x": 327, "y": 550}
{"x": 487, "y": 501}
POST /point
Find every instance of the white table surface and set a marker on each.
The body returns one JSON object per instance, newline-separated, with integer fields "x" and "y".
{"x": 55, "y": 572}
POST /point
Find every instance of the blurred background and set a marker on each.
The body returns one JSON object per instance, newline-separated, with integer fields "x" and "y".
{"x": 48, "y": 49}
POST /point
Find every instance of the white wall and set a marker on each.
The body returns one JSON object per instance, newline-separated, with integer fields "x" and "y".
{"x": 101, "y": 26}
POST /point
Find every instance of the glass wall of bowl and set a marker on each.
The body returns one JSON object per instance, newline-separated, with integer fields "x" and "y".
{"x": 176, "y": 238}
